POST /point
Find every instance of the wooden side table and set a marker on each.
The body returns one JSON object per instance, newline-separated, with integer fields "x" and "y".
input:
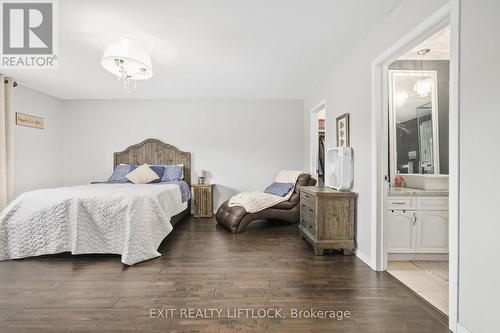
{"x": 203, "y": 200}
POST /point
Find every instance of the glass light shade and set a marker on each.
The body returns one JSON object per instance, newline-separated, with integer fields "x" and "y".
{"x": 423, "y": 87}
{"x": 126, "y": 58}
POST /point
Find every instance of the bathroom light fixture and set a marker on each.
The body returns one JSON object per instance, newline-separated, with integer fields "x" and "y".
{"x": 423, "y": 86}
{"x": 128, "y": 60}
{"x": 400, "y": 98}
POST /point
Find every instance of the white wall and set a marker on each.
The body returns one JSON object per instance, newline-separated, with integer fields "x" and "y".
{"x": 38, "y": 161}
{"x": 479, "y": 288}
{"x": 242, "y": 144}
{"x": 347, "y": 89}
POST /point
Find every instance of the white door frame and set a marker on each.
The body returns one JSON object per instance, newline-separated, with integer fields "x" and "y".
{"x": 449, "y": 14}
{"x": 314, "y": 138}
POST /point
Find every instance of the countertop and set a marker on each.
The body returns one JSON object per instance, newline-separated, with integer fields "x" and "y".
{"x": 406, "y": 191}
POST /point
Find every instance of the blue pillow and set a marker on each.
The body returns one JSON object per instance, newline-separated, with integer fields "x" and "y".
{"x": 279, "y": 189}
{"x": 172, "y": 172}
{"x": 120, "y": 172}
{"x": 158, "y": 169}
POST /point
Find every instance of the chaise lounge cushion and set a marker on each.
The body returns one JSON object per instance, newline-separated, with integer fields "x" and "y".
{"x": 237, "y": 218}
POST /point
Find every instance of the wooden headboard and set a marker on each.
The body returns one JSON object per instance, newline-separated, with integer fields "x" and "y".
{"x": 153, "y": 151}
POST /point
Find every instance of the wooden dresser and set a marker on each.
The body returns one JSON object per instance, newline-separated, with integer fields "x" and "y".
{"x": 203, "y": 198}
{"x": 327, "y": 218}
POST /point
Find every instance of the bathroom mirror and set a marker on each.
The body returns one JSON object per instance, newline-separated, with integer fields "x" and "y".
{"x": 414, "y": 119}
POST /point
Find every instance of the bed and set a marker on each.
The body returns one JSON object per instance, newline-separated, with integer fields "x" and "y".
{"x": 126, "y": 219}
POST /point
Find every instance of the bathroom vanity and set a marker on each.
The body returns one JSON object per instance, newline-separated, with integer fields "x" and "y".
{"x": 416, "y": 221}
{"x": 416, "y": 216}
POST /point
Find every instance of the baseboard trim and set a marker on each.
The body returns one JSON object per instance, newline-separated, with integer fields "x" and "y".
{"x": 418, "y": 256}
{"x": 364, "y": 258}
{"x": 461, "y": 329}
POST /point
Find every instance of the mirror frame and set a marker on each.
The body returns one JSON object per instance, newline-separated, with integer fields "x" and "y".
{"x": 392, "y": 116}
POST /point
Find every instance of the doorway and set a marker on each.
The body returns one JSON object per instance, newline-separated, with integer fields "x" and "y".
{"x": 318, "y": 142}
{"x": 421, "y": 160}
{"x": 416, "y": 213}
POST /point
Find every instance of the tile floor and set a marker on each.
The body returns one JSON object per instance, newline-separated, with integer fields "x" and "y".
{"x": 427, "y": 285}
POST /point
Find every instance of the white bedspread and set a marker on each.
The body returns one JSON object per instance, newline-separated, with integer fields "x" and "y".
{"x": 256, "y": 201}
{"x": 126, "y": 219}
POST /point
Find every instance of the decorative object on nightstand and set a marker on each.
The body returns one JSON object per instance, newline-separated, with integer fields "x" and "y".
{"x": 203, "y": 200}
{"x": 327, "y": 218}
{"x": 201, "y": 177}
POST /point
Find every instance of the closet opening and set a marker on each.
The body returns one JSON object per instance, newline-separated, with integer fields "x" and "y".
{"x": 318, "y": 142}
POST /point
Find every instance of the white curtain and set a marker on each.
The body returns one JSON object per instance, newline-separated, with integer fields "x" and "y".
{"x": 6, "y": 142}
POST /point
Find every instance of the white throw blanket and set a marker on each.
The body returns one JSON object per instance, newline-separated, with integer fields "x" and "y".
{"x": 256, "y": 201}
{"x": 126, "y": 219}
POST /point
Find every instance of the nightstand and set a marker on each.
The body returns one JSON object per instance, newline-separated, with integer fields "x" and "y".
{"x": 203, "y": 200}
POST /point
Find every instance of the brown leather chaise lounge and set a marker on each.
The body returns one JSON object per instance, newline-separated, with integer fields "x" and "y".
{"x": 236, "y": 218}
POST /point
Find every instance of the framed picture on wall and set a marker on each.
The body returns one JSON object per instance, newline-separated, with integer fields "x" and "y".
{"x": 343, "y": 130}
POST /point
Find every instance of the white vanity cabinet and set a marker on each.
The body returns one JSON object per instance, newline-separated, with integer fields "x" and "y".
{"x": 416, "y": 224}
{"x": 400, "y": 235}
{"x": 431, "y": 232}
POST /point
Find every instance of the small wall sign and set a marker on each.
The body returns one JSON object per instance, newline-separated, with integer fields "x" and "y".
{"x": 27, "y": 120}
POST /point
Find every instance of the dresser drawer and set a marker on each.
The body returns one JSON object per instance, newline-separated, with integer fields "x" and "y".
{"x": 308, "y": 207}
{"x": 307, "y": 221}
{"x": 304, "y": 219}
{"x": 307, "y": 197}
{"x": 432, "y": 203}
{"x": 401, "y": 203}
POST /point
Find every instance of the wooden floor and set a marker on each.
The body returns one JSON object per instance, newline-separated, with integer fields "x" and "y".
{"x": 204, "y": 266}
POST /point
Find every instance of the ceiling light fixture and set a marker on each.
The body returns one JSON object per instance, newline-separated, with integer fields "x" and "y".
{"x": 128, "y": 60}
{"x": 423, "y": 86}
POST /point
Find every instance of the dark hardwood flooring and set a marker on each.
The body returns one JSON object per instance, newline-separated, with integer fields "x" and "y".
{"x": 205, "y": 266}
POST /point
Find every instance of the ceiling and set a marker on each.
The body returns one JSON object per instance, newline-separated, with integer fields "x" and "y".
{"x": 206, "y": 49}
{"x": 439, "y": 44}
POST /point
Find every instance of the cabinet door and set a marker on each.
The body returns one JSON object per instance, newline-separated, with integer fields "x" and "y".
{"x": 400, "y": 231}
{"x": 432, "y": 232}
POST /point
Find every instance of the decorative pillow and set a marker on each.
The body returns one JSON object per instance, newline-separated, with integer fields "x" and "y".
{"x": 159, "y": 170}
{"x": 142, "y": 175}
{"x": 279, "y": 189}
{"x": 120, "y": 173}
{"x": 172, "y": 172}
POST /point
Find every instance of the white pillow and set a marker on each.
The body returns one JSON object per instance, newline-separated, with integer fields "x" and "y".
{"x": 142, "y": 175}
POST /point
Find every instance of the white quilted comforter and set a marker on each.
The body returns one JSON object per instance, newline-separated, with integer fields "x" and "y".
{"x": 126, "y": 219}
